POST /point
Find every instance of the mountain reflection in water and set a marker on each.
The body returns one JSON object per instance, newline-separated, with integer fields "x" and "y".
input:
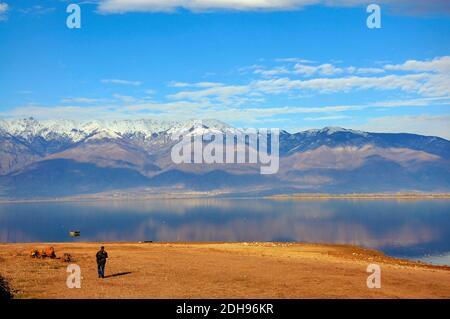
{"x": 399, "y": 228}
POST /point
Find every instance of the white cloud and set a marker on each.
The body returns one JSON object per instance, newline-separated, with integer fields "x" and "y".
{"x": 326, "y": 118}
{"x": 438, "y": 68}
{"x": 272, "y": 72}
{"x": 250, "y": 69}
{"x": 409, "y": 82}
{"x": 183, "y": 109}
{"x": 437, "y": 65}
{"x": 437, "y": 85}
{"x": 426, "y": 83}
{"x": 121, "y": 82}
{"x": 207, "y": 84}
{"x": 178, "y": 84}
{"x": 294, "y": 60}
{"x": 37, "y": 10}
{"x": 356, "y": 70}
{"x": 3, "y": 10}
{"x": 221, "y": 93}
{"x": 400, "y": 6}
{"x": 125, "y": 98}
{"x": 423, "y": 84}
{"x": 80, "y": 100}
{"x": 323, "y": 69}
{"x": 307, "y": 68}
{"x": 3, "y": 7}
{"x": 120, "y": 6}
{"x": 428, "y": 101}
{"x": 196, "y": 85}
{"x": 69, "y": 112}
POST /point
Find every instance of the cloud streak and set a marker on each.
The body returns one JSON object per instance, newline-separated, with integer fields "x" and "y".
{"x": 437, "y": 65}
{"x": 399, "y": 6}
{"x": 277, "y": 98}
{"x": 4, "y": 7}
{"x": 121, "y": 82}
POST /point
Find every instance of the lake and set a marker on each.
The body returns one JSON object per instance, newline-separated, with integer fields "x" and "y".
{"x": 414, "y": 229}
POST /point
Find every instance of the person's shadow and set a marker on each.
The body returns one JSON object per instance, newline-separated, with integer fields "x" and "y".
{"x": 118, "y": 274}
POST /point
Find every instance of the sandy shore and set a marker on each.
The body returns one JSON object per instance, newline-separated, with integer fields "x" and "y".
{"x": 219, "y": 270}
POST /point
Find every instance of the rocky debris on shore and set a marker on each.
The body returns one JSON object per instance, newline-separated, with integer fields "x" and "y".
{"x": 67, "y": 258}
{"x": 47, "y": 252}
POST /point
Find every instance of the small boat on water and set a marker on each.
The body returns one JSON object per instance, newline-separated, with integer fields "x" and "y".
{"x": 74, "y": 233}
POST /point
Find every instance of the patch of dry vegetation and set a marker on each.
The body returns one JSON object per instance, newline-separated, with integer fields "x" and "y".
{"x": 5, "y": 290}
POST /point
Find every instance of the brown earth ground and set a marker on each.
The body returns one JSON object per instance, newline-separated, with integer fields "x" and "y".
{"x": 219, "y": 270}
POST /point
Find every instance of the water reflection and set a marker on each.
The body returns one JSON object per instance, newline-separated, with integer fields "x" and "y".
{"x": 436, "y": 259}
{"x": 400, "y": 228}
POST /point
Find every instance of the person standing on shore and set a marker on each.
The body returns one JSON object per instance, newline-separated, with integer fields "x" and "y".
{"x": 102, "y": 255}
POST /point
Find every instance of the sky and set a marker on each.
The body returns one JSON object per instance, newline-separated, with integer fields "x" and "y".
{"x": 288, "y": 64}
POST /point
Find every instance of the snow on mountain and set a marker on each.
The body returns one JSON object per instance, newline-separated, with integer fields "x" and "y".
{"x": 330, "y": 130}
{"x": 31, "y": 128}
{"x": 60, "y": 157}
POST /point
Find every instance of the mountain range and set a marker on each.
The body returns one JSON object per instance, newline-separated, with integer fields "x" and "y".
{"x": 55, "y": 158}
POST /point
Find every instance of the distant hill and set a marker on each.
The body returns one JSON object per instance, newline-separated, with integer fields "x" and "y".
{"x": 61, "y": 158}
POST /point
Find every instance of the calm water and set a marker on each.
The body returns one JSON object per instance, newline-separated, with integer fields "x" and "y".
{"x": 411, "y": 229}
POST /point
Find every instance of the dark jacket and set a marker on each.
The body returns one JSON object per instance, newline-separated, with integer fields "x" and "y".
{"x": 101, "y": 257}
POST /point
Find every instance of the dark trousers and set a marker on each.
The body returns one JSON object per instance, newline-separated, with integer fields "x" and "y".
{"x": 101, "y": 270}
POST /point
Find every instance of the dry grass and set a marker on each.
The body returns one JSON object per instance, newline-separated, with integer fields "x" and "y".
{"x": 220, "y": 270}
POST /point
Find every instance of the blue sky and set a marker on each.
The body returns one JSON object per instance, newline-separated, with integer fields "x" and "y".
{"x": 291, "y": 64}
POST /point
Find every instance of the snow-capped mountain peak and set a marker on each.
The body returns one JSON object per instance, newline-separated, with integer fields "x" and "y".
{"x": 330, "y": 130}
{"x": 30, "y": 128}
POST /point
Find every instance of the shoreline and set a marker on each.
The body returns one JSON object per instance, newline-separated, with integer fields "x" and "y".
{"x": 182, "y": 196}
{"x": 220, "y": 270}
{"x": 375, "y": 196}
